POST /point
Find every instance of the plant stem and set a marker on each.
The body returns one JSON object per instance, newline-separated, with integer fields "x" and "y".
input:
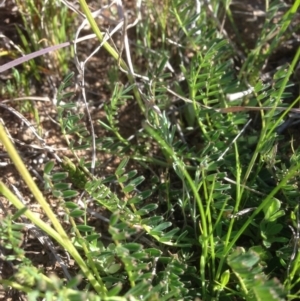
{"x": 112, "y": 52}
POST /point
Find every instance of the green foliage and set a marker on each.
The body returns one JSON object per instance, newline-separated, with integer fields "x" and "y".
{"x": 49, "y": 19}
{"x": 272, "y": 34}
{"x": 253, "y": 282}
{"x": 199, "y": 206}
{"x": 11, "y": 238}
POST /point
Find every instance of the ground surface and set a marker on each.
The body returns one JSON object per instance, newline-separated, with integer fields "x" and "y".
{"x": 33, "y": 151}
{"x": 98, "y": 90}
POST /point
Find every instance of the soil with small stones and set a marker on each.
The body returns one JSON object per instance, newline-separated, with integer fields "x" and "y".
{"x": 35, "y": 152}
{"x": 248, "y": 15}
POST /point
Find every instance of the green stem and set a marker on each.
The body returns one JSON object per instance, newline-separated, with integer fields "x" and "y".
{"x": 204, "y": 227}
{"x": 236, "y": 208}
{"x": 59, "y": 235}
{"x": 292, "y": 173}
{"x": 112, "y": 52}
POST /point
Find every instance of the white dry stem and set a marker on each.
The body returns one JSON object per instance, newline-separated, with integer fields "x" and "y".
{"x": 81, "y": 66}
{"x": 244, "y": 186}
{"x": 239, "y": 95}
{"x": 38, "y": 98}
{"x": 120, "y": 24}
{"x": 242, "y": 212}
{"x": 72, "y": 7}
{"x": 237, "y": 136}
{"x": 6, "y": 39}
{"x": 43, "y": 144}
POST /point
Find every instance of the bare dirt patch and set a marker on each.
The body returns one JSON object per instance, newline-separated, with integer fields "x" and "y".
{"x": 98, "y": 88}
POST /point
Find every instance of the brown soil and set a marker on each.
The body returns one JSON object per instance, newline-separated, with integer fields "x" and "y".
{"x": 33, "y": 152}
{"x": 98, "y": 93}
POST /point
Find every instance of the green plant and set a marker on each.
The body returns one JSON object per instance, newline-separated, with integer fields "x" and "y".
{"x": 204, "y": 200}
